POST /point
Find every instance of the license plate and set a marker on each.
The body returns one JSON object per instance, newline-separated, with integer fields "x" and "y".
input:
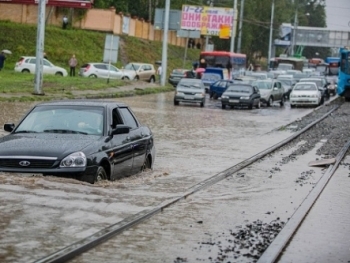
{"x": 189, "y": 97}
{"x": 234, "y": 101}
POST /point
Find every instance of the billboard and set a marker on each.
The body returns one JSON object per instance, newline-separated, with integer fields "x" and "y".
{"x": 206, "y": 19}
{"x": 60, "y": 3}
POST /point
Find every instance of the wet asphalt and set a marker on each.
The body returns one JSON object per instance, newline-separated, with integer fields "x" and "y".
{"x": 233, "y": 221}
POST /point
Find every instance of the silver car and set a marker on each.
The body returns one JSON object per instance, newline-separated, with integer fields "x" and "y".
{"x": 104, "y": 70}
{"x": 271, "y": 90}
{"x": 190, "y": 90}
{"x": 28, "y": 65}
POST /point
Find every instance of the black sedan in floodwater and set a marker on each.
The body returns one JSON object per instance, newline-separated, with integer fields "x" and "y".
{"x": 241, "y": 95}
{"x": 84, "y": 139}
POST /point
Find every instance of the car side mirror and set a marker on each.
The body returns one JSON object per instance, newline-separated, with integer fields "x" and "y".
{"x": 121, "y": 129}
{"x": 9, "y": 127}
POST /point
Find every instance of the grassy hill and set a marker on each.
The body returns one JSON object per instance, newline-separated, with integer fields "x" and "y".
{"x": 88, "y": 46}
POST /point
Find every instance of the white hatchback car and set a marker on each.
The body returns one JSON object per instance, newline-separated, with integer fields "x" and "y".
{"x": 28, "y": 65}
{"x": 305, "y": 94}
{"x": 100, "y": 70}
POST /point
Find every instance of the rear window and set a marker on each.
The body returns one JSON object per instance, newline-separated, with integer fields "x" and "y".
{"x": 305, "y": 87}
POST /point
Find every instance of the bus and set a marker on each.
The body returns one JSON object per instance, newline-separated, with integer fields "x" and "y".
{"x": 296, "y": 63}
{"x": 343, "y": 88}
{"x": 224, "y": 59}
{"x": 333, "y": 65}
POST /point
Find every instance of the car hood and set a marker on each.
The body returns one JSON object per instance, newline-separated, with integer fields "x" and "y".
{"x": 48, "y": 145}
{"x": 190, "y": 90}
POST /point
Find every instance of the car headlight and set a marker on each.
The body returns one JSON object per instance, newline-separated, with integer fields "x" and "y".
{"x": 224, "y": 97}
{"x": 292, "y": 95}
{"x": 77, "y": 159}
{"x": 180, "y": 93}
{"x": 245, "y": 98}
{"x": 314, "y": 96}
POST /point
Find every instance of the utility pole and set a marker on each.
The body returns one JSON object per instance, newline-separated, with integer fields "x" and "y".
{"x": 240, "y": 27}
{"x": 211, "y": 4}
{"x": 149, "y": 10}
{"x": 295, "y": 26}
{"x": 233, "y": 28}
{"x": 165, "y": 42}
{"x": 40, "y": 49}
{"x": 271, "y": 31}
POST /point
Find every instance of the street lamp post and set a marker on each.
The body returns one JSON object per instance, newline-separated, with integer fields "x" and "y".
{"x": 271, "y": 31}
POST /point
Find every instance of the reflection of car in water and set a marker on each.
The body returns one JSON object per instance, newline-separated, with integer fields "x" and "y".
{"x": 84, "y": 139}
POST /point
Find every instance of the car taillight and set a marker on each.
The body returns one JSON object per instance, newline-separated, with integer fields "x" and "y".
{"x": 87, "y": 68}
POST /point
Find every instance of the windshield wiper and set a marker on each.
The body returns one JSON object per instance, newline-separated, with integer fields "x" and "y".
{"x": 26, "y": 131}
{"x": 64, "y": 131}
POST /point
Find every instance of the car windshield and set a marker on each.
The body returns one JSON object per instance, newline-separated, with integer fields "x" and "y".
{"x": 211, "y": 76}
{"x": 286, "y": 82}
{"x": 132, "y": 66}
{"x": 63, "y": 119}
{"x": 305, "y": 87}
{"x": 240, "y": 89}
{"x": 318, "y": 82}
{"x": 263, "y": 84}
{"x": 190, "y": 84}
{"x": 179, "y": 71}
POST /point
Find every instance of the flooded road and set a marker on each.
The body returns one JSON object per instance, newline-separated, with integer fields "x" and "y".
{"x": 43, "y": 214}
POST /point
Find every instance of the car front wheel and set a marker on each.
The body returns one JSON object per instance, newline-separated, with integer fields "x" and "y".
{"x": 152, "y": 80}
{"x": 125, "y": 78}
{"x": 25, "y": 71}
{"x": 101, "y": 175}
{"x": 282, "y": 101}
{"x": 92, "y": 76}
{"x": 59, "y": 74}
{"x": 269, "y": 102}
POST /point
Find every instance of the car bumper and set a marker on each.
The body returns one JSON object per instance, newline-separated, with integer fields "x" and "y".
{"x": 304, "y": 101}
{"x": 190, "y": 99}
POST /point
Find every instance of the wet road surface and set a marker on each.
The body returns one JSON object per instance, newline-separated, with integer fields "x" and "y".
{"x": 43, "y": 214}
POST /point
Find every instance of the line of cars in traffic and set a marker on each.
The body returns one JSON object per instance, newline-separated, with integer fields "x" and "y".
{"x": 131, "y": 71}
{"x": 258, "y": 88}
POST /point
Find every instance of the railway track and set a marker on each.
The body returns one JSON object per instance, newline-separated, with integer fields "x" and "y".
{"x": 86, "y": 244}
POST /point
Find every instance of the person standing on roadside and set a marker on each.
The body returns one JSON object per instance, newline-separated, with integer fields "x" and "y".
{"x": 64, "y": 22}
{"x": 159, "y": 72}
{"x": 73, "y": 62}
{"x": 2, "y": 60}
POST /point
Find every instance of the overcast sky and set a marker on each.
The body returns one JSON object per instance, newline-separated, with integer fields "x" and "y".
{"x": 338, "y": 14}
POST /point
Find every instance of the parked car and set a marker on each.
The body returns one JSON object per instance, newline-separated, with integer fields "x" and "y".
{"x": 218, "y": 88}
{"x": 321, "y": 83}
{"x": 104, "y": 70}
{"x": 271, "y": 91}
{"x": 142, "y": 71}
{"x": 28, "y": 65}
{"x": 305, "y": 93}
{"x": 85, "y": 139}
{"x": 178, "y": 74}
{"x": 241, "y": 95}
{"x": 190, "y": 90}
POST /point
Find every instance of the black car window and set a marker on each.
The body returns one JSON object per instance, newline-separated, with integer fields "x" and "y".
{"x": 223, "y": 84}
{"x": 101, "y": 66}
{"x": 129, "y": 119}
{"x": 32, "y": 61}
{"x": 46, "y": 63}
{"x": 116, "y": 118}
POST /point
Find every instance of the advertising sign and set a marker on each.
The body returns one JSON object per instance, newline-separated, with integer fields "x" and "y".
{"x": 206, "y": 19}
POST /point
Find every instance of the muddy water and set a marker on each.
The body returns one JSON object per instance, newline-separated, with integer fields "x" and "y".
{"x": 205, "y": 226}
{"x": 42, "y": 214}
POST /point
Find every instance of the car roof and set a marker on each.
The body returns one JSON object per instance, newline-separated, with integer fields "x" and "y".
{"x": 139, "y": 63}
{"x": 306, "y": 79}
{"x": 82, "y": 102}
